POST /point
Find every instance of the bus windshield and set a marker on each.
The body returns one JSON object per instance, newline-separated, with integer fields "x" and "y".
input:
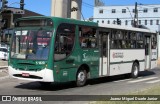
{"x": 31, "y": 44}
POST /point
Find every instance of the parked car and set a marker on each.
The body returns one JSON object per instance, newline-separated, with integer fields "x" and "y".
{"x": 4, "y": 53}
{"x": 3, "y": 44}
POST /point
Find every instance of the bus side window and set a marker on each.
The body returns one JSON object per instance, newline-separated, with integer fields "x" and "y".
{"x": 124, "y": 44}
{"x": 64, "y": 41}
{"x": 125, "y": 35}
{"x": 154, "y": 41}
{"x": 87, "y": 37}
{"x": 133, "y": 44}
{"x": 112, "y": 44}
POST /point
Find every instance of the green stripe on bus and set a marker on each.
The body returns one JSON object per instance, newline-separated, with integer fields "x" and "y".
{"x": 121, "y": 62}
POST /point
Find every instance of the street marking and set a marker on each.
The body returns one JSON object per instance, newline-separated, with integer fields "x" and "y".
{"x": 122, "y": 80}
{"x": 140, "y": 80}
{"x": 154, "y": 81}
{"x": 125, "y": 80}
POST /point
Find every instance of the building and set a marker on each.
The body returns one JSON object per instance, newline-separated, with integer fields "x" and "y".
{"x": 66, "y": 8}
{"x": 7, "y": 22}
{"x": 148, "y": 15}
{"x": 11, "y": 14}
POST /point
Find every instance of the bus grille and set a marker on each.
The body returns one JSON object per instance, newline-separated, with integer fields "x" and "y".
{"x": 29, "y": 69}
{"x": 31, "y": 76}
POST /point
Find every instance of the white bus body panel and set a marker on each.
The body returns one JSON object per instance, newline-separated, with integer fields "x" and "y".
{"x": 154, "y": 58}
{"x": 147, "y": 60}
{"x": 103, "y": 67}
{"x": 46, "y": 74}
{"x": 121, "y": 61}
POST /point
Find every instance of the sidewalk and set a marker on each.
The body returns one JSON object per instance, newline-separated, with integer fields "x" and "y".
{"x": 3, "y": 69}
{"x": 3, "y": 64}
{"x": 3, "y": 73}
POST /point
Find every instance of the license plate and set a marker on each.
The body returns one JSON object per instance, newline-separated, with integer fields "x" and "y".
{"x": 25, "y": 74}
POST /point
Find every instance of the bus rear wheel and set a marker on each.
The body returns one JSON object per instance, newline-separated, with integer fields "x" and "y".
{"x": 135, "y": 70}
{"x": 81, "y": 78}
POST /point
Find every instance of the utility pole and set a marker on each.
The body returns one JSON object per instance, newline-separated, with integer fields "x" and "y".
{"x": 136, "y": 16}
{"x": 22, "y": 4}
{"x": 69, "y": 9}
{"x": 4, "y": 4}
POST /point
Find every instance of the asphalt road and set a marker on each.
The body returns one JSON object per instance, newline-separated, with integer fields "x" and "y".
{"x": 117, "y": 85}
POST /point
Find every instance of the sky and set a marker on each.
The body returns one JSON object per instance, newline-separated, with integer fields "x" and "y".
{"x": 43, "y": 6}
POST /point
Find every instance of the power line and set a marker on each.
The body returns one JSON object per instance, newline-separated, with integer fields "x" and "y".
{"x": 88, "y": 5}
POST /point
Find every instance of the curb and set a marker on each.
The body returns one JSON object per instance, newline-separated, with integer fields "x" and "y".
{"x": 3, "y": 67}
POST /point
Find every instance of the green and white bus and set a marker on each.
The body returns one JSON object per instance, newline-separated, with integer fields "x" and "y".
{"x": 52, "y": 49}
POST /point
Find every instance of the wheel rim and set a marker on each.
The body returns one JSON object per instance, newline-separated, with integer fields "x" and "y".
{"x": 81, "y": 76}
{"x": 135, "y": 71}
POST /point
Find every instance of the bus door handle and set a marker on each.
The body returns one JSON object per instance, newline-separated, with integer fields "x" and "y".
{"x": 70, "y": 61}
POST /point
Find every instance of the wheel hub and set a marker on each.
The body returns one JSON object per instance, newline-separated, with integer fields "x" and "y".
{"x": 135, "y": 71}
{"x": 81, "y": 76}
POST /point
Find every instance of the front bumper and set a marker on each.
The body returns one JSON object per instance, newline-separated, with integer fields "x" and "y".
{"x": 45, "y": 75}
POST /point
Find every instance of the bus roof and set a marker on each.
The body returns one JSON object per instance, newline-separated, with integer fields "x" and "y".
{"x": 88, "y": 23}
{"x": 113, "y": 26}
{"x": 62, "y": 20}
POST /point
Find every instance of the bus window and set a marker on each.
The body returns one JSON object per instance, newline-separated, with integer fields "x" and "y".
{"x": 154, "y": 41}
{"x": 113, "y": 35}
{"x": 125, "y": 35}
{"x": 64, "y": 41}
{"x": 87, "y": 37}
{"x": 128, "y": 44}
{"x": 117, "y": 39}
{"x": 140, "y": 40}
{"x": 133, "y": 44}
{"x": 119, "y": 44}
{"x": 124, "y": 44}
{"x": 140, "y": 44}
{"x": 119, "y": 35}
{"x": 112, "y": 44}
{"x": 132, "y": 35}
{"x": 139, "y": 36}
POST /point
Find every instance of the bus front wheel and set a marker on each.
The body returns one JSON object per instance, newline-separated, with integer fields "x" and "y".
{"x": 81, "y": 78}
{"x": 135, "y": 70}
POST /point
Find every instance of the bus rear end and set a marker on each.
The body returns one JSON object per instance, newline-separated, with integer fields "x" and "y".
{"x": 30, "y": 48}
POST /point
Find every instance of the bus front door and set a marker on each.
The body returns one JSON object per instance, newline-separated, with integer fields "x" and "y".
{"x": 147, "y": 52}
{"x": 104, "y": 53}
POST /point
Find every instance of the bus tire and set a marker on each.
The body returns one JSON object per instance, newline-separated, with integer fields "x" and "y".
{"x": 135, "y": 70}
{"x": 81, "y": 78}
